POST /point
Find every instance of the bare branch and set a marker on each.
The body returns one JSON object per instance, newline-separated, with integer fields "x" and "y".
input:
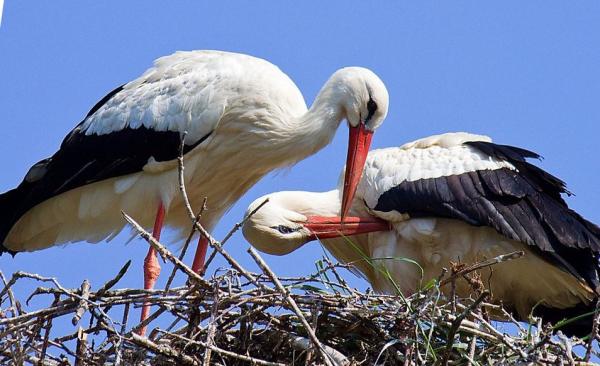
{"x": 285, "y": 293}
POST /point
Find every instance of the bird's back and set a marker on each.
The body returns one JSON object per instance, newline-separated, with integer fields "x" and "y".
{"x": 458, "y": 196}
{"x": 190, "y": 90}
{"x": 136, "y": 129}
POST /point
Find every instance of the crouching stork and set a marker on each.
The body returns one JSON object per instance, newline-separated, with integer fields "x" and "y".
{"x": 455, "y": 198}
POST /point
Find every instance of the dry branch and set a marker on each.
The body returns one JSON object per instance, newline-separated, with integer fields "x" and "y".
{"x": 285, "y": 293}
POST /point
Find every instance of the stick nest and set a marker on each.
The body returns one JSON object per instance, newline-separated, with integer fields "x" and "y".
{"x": 239, "y": 317}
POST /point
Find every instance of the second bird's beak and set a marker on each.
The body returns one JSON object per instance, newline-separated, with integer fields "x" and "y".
{"x": 358, "y": 149}
{"x": 321, "y": 227}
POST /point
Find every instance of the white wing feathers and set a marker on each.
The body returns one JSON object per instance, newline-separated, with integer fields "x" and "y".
{"x": 446, "y": 140}
{"x": 432, "y": 157}
{"x": 179, "y": 93}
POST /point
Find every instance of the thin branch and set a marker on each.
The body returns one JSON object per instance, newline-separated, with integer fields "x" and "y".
{"x": 83, "y": 303}
{"x": 109, "y": 284}
{"x": 181, "y": 169}
{"x": 237, "y": 356}
{"x": 163, "y": 350}
{"x": 186, "y": 245}
{"x": 236, "y": 227}
{"x": 285, "y": 293}
{"x": 590, "y": 344}
{"x": 212, "y": 327}
{"x": 457, "y": 322}
{"x": 164, "y": 252}
{"x": 486, "y": 263}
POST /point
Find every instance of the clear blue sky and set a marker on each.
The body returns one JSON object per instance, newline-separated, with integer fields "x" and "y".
{"x": 525, "y": 73}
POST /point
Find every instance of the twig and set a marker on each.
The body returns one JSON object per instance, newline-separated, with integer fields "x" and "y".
{"x": 251, "y": 360}
{"x": 249, "y": 276}
{"x": 81, "y": 347}
{"x": 164, "y": 252}
{"x": 486, "y": 263}
{"x": 148, "y": 320}
{"x": 162, "y": 349}
{"x": 472, "y": 348}
{"x": 21, "y": 274}
{"x": 109, "y": 284}
{"x": 181, "y": 169}
{"x": 186, "y": 244}
{"x": 457, "y": 322}
{"x": 46, "y": 338}
{"x": 15, "y": 309}
{"x": 313, "y": 337}
{"x": 212, "y": 326}
{"x": 568, "y": 348}
{"x": 304, "y": 344}
{"x": 125, "y": 318}
{"x": 11, "y": 297}
{"x": 83, "y": 305}
{"x": 588, "y": 351}
{"x": 235, "y": 228}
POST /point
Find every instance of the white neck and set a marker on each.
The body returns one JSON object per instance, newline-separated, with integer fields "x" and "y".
{"x": 326, "y": 110}
{"x": 325, "y": 204}
{"x": 303, "y": 136}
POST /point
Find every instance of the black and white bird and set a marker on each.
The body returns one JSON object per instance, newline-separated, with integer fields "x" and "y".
{"x": 243, "y": 118}
{"x": 459, "y": 198}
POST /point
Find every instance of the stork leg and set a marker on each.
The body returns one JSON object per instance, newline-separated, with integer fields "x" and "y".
{"x": 151, "y": 265}
{"x": 198, "y": 264}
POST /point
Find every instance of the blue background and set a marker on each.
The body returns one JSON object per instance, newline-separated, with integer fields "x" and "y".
{"x": 525, "y": 73}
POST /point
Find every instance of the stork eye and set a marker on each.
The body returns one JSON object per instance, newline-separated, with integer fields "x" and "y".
{"x": 283, "y": 229}
{"x": 371, "y": 108}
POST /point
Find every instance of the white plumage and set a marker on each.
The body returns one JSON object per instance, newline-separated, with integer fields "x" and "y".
{"x": 190, "y": 91}
{"x": 252, "y": 117}
{"x": 452, "y": 198}
{"x": 243, "y": 118}
{"x": 431, "y": 157}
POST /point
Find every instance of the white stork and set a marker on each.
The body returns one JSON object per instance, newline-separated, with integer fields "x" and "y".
{"x": 457, "y": 198}
{"x": 243, "y": 118}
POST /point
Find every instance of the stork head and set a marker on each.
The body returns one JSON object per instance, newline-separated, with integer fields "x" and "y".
{"x": 364, "y": 100}
{"x": 274, "y": 228}
{"x": 287, "y": 220}
{"x": 363, "y": 96}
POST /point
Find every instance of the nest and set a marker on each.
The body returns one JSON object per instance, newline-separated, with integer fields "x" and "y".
{"x": 239, "y": 317}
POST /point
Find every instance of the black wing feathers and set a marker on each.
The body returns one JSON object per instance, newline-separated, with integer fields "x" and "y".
{"x": 541, "y": 179}
{"x": 8, "y": 200}
{"x": 523, "y": 204}
{"x": 503, "y": 152}
{"x": 84, "y": 159}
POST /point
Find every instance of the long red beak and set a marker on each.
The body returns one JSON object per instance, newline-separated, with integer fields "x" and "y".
{"x": 358, "y": 148}
{"x": 332, "y": 227}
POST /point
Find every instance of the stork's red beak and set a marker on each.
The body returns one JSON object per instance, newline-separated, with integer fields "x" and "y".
{"x": 358, "y": 148}
{"x": 332, "y": 227}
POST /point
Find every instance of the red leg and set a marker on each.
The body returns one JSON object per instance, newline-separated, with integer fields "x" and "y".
{"x": 151, "y": 265}
{"x": 198, "y": 264}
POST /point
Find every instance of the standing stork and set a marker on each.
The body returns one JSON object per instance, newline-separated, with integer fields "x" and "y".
{"x": 243, "y": 118}
{"x": 456, "y": 198}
